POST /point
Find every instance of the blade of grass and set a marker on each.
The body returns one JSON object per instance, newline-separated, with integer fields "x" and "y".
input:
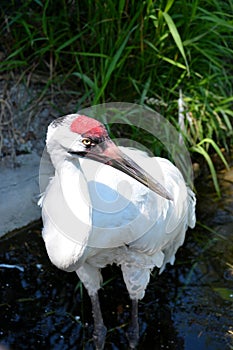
{"x": 45, "y": 18}
{"x": 217, "y": 150}
{"x": 145, "y": 90}
{"x": 86, "y": 80}
{"x": 176, "y": 36}
{"x": 111, "y": 66}
{"x": 199, "y": 149}
{"x": 168, "y": 5}
{"x": 174, "y": 63}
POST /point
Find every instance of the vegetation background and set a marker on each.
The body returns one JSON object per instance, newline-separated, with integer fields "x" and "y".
{"x": 150, "y": 52}
{"x": 175, "y": 56}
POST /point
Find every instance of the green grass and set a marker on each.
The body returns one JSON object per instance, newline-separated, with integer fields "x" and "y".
{"x": 133, "y": 52}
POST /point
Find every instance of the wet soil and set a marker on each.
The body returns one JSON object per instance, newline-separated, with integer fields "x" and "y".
{"x": 189, "y": 306}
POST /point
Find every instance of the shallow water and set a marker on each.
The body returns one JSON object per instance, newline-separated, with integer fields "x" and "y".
{"x": 188, "y": 307}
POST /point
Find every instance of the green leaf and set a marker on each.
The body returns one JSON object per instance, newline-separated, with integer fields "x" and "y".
{"x": 176, "y": 36}
{"x": 217, "y": 149}
{"x": 69, "y": 42}
{"x": 86, "y": 80}
{"x": 92, "y": 54}
{"x": 174, "y": 63}
{"x": 145, "y": 90}
{"x": 111, "y": 66}
{"x": 121, "y": 6}
{"x": 199, "y": 149}
{"x": 45, "y": 18}
{"x": 168, "y": 5}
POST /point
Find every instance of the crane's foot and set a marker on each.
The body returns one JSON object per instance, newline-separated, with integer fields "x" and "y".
{"x": 133, "y": 337}
{"x": 99, "y": 337}
{"x": 133, "y": 330}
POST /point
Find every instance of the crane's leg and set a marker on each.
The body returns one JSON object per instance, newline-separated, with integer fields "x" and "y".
{"x": 91, "y": 278}
{"x": 133, "y": 331}
{"x": 136, "y": 279}
{"x": 99, "y": 328}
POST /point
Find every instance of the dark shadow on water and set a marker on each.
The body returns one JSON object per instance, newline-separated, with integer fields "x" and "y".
{"x": 188, "y": 307}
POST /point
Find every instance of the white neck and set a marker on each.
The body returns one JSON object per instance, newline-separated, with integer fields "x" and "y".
{"x": 76, "y": 200}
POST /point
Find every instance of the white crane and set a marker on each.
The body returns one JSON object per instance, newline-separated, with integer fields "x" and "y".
{"x": 108, "y": 204}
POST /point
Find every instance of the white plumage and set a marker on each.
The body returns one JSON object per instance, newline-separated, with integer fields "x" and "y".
{"x": 95, "y": 215}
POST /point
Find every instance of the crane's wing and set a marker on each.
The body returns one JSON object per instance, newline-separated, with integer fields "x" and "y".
{"x": 123, "y": 210}
{"x": 172, "y": 218}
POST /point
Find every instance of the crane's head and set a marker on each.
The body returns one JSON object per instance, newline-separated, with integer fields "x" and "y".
{"x": 78, "y": 136}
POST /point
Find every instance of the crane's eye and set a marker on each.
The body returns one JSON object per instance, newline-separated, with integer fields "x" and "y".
{"x": 87, "y": 142}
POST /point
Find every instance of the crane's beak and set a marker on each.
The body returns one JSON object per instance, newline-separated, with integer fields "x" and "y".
{"x": 108, "y": 153}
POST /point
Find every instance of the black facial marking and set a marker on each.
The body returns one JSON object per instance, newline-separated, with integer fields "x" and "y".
{"x": 58, "y": 121}
{"x": 80, "y": 154}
